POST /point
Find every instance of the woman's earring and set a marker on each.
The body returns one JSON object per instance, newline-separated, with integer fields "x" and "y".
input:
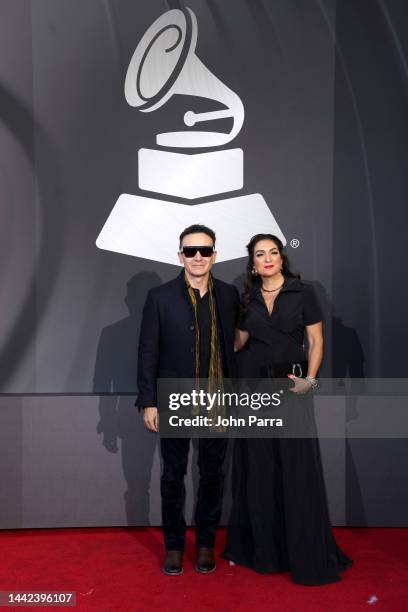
{"x": 254, "y": 272}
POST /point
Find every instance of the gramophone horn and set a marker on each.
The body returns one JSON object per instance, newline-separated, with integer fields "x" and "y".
{"x": 165, "y": 64}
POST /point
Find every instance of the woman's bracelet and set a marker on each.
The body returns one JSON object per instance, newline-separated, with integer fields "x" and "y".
{"x": 314, "y": 383}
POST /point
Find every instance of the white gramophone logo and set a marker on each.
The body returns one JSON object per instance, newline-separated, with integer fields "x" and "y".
{"x": 165, "y": 64}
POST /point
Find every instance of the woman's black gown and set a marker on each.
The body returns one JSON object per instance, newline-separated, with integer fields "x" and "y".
{"x": 279, "y": 518}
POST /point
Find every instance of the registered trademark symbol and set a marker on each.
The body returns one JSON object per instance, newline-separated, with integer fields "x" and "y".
{"x": 294, "y": 243}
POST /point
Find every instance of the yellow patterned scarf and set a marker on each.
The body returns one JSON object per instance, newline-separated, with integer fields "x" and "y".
{"x": 215, "y": 376}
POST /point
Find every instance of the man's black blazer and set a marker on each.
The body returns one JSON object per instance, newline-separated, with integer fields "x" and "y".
{"x": 167, "y": 336}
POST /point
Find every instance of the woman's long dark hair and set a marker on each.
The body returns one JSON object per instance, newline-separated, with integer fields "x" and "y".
{"x": 252, "y": 281}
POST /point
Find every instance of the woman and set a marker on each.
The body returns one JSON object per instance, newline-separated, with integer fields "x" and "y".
{"x": 279, "y": 518}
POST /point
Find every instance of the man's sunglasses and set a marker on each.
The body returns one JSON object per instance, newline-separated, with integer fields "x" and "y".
{"x": 191, "y": 251}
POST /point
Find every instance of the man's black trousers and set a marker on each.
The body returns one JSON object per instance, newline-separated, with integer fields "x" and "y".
{"x": 211, "y": 455}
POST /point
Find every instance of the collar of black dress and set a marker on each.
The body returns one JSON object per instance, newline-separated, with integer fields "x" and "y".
{"x": 290, "y": 284}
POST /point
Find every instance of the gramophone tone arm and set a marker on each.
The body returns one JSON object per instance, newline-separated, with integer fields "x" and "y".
{"x": 196, "y": 80}
{"x": 191, "y": 118}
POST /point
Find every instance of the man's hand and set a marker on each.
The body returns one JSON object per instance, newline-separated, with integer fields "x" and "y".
{"x": 151, "y": 418}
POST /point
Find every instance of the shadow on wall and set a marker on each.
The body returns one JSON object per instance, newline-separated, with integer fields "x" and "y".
{"x": 347, "y": 367}
{"x": 115, "y": 374}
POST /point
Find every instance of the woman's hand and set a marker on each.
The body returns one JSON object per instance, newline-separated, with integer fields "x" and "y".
{"x": 301, "y": 387}
{"x": 241, "y": 338}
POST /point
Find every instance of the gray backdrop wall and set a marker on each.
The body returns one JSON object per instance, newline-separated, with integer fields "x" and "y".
{"x": 324, "y": 85}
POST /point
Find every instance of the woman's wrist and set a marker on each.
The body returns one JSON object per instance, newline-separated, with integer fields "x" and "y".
{"x": 314, "y": 383}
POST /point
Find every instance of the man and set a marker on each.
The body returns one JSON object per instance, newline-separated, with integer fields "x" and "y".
{"x": 187, "y": 331}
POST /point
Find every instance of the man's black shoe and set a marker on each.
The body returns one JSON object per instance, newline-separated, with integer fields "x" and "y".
{"x": 205, "y": 560}
{"x": 173, "y": 563}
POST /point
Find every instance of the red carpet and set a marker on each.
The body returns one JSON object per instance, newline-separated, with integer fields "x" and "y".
{"x": 119, "y": 569}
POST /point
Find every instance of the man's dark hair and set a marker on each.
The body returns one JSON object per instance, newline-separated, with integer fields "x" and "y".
{"x": 197, "y": 229}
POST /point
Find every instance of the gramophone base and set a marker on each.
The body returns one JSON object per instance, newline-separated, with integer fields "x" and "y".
{"x": 191, "y": 175}
{"x": 149, "y": 228}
